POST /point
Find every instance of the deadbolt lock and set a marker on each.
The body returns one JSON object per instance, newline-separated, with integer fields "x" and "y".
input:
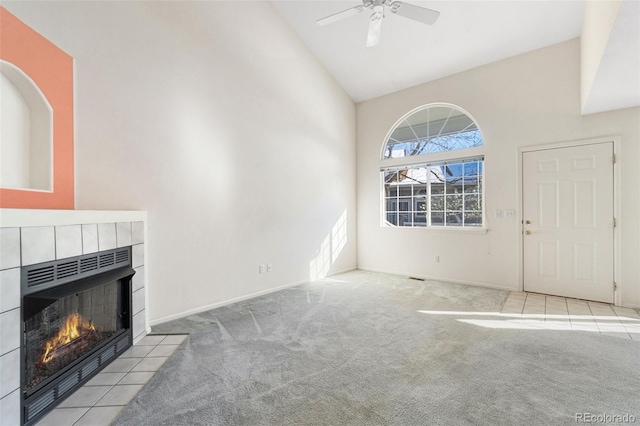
{"x": 528, "y": 222}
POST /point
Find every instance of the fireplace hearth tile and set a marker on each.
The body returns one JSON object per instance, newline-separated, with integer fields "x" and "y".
{"x": 174, "y": 339}
{"x": 100, "y": 401}
{"x": 119, "y": 395}
{"x": 137, "y": 232}
{"x": 38, "y": 244}
{"x": 99, "y": 416}
{"x": 89, "y": 238}
{"x": 10, "y": 243}
{"x": 121, "y": 365}
{"x": 138, "y": 325}
{"x": 151, "y": 340}
{"x": 137, "y": 255}
{"x": 63, "y": 416}
{"x": 9, "y": 289}
{"x": 9, "y": 331}
{"x": 163, "y": 350}
{"x": 68, "y": 241}
{"x": 123, "y": 234}
{"x": 150, "y": 364}
{"x": 137, "y": 378}
{"x": 86, "y": 396}
{"x": 9, "y": 374}
{"x": 10, "y": 409}
{"x": 138, "y": 279}
{"x": 138, "y": 301}
{"x": 106, "y": 236}
{"x": 137, "y": 351}
{"x": 105, "y": 379}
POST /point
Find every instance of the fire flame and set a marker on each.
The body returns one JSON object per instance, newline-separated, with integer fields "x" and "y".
{"x": 74, "y": 327}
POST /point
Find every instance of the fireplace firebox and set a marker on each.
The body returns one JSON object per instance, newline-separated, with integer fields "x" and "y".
{"x": 76, "y": 319}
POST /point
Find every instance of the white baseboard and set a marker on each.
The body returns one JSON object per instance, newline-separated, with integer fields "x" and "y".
{"x": 342, "y": 271}
{"x": 446, "y": 280}
{"x": 285, "y": 286}
{"x": 222, "y": 303}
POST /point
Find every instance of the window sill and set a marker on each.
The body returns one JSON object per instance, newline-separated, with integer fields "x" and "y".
{"x": 445, "y": 229}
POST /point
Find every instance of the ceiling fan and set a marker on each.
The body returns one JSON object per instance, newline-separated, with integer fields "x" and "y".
{"x": 417, "y": 13}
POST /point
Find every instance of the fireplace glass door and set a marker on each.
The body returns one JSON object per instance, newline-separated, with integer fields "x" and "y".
{"x": 66, "y": 329}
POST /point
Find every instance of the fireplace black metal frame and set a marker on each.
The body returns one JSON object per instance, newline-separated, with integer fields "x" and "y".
{"x": 51, "y": 280}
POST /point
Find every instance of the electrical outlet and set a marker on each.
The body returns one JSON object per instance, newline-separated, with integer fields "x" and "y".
{"x": 262, "y": 269}
{"x": 269, "y": 267}
{"x": 436, "y": 259}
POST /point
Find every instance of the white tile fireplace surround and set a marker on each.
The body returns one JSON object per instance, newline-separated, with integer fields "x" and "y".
{"x": 33, "y": 236}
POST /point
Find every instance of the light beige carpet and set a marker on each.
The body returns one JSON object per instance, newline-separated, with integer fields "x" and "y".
{"x": 365, "y": 348}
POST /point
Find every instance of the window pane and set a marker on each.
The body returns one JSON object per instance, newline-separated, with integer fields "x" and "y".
{"x": 470, "y": 189}
{"x": 437, "y": 202}
{"x": 437, "y": 188}
{"x": 471, "y": 202}
{"x": 390, "y": 176}
{"x": 419, "y": 219}
{"x": 454, "y": 188}
{"x": 420, "y": 190}
{"x": 454, "y": 202}
{"x": 435, "y": 128}
{"x": 391, "y": 191}
{"x": 392, "y": 218}
{"x": 454, "y": 218}
{"x": 453, "y": 171}
{"x": 437, "y": 218}
{"x": 471, "y": 169}
{"x": 473, "y": 218}
{"x": 404, "y": 204}
{"x": 451, "y": 194}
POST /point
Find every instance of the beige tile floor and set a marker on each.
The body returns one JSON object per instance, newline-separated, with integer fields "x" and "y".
{"x": 101, "y": 399}
{"x": 531, "y": 310}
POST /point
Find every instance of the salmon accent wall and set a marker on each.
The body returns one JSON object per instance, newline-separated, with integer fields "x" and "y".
{"x": 51, "y": 69}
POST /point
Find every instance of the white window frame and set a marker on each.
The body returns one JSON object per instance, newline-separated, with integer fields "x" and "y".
{"x": 432, "y": 159}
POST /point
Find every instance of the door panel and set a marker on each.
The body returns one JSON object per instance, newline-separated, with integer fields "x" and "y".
{"x": 568, "y": 221}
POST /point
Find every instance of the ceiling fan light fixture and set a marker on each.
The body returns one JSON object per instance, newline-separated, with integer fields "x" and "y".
{"x": 375, "y": 27}
{"x": 407, "y": 10}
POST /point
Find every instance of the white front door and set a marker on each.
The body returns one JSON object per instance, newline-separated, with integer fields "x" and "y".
{"x": 568, "y": 221}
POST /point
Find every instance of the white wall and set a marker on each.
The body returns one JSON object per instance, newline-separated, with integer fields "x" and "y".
{"x": 526, "y": 100}
{"x": 598, "y": 22}
{"x": 214, "y": 118}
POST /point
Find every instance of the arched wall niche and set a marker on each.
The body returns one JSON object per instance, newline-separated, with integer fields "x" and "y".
{"x": 38, "y": 76}
{"x": 26, "y": 132}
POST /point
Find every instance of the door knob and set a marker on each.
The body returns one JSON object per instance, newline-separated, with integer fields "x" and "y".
{"x": 527, "y": 232}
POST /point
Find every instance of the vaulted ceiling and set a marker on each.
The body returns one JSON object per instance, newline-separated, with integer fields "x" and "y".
{"x": 467, "y": 34}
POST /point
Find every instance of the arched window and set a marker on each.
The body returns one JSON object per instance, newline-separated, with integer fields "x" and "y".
{"x": 432, "y": 170}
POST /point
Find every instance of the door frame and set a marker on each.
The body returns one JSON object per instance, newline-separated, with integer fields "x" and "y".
{"x": 617, "y": 231}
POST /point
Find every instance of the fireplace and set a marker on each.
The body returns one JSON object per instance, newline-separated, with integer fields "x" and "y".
{"x": 77, "y": 318}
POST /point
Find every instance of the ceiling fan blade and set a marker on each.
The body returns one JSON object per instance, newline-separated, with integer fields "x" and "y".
{"x": 340, "y": 15}
{"x": 375, "y": 26}
{"x": 417, "y": 13}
